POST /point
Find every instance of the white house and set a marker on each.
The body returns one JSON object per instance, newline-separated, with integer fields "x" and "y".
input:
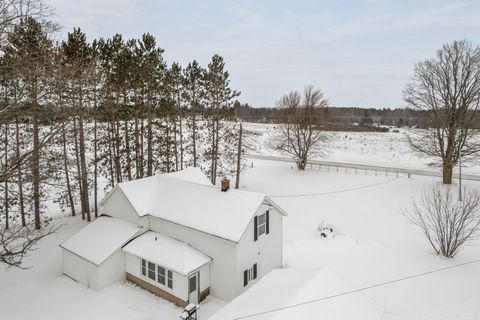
{"x": 178, "y": 236}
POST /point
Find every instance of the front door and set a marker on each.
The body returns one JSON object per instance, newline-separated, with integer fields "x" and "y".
{"x": 193, "y": 288}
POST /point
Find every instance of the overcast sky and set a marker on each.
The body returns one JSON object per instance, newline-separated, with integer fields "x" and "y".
{"x": 361, "y": 53}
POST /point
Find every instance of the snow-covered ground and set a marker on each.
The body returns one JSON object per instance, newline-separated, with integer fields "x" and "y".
{"x": 374, "y": 244}
{"x": 372, "y": 148}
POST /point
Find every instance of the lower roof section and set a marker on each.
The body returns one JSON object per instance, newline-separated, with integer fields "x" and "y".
{"x": 167, "y": 252}
{"x": 100, "y": 238}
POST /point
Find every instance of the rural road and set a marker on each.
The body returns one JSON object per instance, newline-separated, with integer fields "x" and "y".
{"x": 375, "y": 168}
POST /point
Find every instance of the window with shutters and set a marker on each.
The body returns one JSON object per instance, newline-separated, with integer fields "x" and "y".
{"x": 261, "y": 224}
{"x": 249, "y": 274}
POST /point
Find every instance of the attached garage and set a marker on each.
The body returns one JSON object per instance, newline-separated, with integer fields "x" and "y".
{"x": 93, "y": 256}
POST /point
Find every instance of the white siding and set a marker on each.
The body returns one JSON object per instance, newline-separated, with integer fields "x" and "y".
{"x": 266, "y": 252}
{"x": 112, "y": 270}
{"x": 80, "y": 270}
{"x": 222, "y": 252}
{"x": 118, "y": 206}
{"x": 180, "y": 283}
{"x": 204, "y": 277}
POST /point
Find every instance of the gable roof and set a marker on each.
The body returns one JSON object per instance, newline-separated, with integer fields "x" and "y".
{"x": 282, "y": 288}
{"x": 167, "y": 252}
{"x": 100, "y": 238}
{"x": 187, "y": 198}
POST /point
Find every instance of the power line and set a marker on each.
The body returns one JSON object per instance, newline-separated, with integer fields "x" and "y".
{"x": 337, "y": 191}
{"x": 358, "y": 290}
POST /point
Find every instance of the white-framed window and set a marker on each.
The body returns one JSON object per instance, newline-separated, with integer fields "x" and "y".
{"x": 151, "y": 270}
{"x": 144, "y": 267}
{"x": 170, "y": 279}
{"x": 262, "y": 224}
{"x": 157, "y": 273}
{"x": 161, "y": 275}
{"x": 249, "y": 274}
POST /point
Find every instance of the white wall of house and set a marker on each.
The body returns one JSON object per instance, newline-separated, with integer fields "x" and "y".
{"x": 266, "y": 252}
{"x": 204, "y": 277}
{"x": 133, "y": 265}
{"x": 118, "y": 206}
{"x": 223, "y": 266}
{"x": 112, "y": 270}
{"x": 80, "y": 270}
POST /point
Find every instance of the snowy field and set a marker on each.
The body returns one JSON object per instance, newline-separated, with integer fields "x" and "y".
{"x": 373, "y": 244}
{"x": 372, "y": 148}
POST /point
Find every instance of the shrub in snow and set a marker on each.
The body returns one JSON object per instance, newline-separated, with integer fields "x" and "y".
{"x": 326, "y": 231}
{"x": 446, "y": 222}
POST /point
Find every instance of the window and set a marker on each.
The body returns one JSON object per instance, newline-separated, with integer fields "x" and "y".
{"x": 144, "y": 267}
{"x": 249, "y": 275}
{"x": 157, "y": 273}
{"x": 151, "y": 271}
{"x": 161, "y": 275}
{"x": 261, "y": 225}
{"x": 170, "y": 279}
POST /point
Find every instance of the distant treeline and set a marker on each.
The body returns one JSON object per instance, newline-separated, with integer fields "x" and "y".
{"x": 337, "y": 118}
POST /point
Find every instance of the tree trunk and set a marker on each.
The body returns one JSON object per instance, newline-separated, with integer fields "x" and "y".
{"x": 36, "y": 159}
{"x": 127, "y": 150}
{"x": 239, "y": 158}
{"x": 67, "y": 175}
{"x": 194, "y": 134}
{"x": 83, "y": 161}
{"x": 149, "y": 146}
{"x": 20, "y": 177}
{"x": 6, "y": 180}
{"x": 447, "y": 172}
{"x": 95, "y": 164}
{"x": 142, "y": 157}
{"x": 79, "y": 171}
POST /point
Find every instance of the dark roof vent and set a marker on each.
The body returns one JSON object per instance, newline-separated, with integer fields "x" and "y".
{"x": 225, "y": 184}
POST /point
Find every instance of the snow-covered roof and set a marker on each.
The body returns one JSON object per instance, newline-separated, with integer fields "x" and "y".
{"x": 287, "y": 287}
{"x": 167, "y": 252}
{"x": 187, "y": 198}
{"x": 100, "y": 238}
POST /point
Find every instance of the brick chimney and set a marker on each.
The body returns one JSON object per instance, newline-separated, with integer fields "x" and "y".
{"x": 225, "y": 184}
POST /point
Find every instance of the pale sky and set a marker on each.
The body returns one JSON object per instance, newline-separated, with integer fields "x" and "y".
{"x": 360, "y": 53}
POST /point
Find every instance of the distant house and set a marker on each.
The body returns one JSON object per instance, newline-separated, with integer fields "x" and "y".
{"x": 179, "y": 237}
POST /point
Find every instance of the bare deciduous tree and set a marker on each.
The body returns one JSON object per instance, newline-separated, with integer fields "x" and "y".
{"x": 17, "y": 242}
{"x": 446, "y": 222}
{"x": 448, "y": 88}
{"x": 299, "y": 135}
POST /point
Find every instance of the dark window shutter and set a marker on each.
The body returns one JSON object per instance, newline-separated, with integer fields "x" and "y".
{"x": 255, "y": 228}
{"x": 245, "y": 278}
{"x": 268, "y": 221}
{"x": 254, "y": 271}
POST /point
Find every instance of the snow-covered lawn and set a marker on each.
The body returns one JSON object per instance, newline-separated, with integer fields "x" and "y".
{"x": 374, "y": 244}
